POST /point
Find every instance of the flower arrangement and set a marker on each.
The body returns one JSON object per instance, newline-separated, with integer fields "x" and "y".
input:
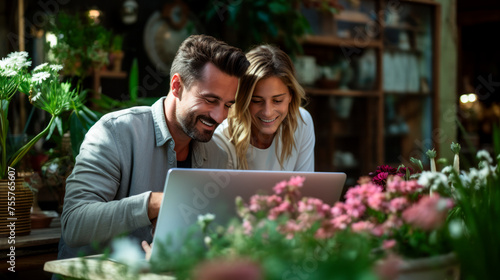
{"x": 389, "y": 217}
{"x": 45, "y": 91}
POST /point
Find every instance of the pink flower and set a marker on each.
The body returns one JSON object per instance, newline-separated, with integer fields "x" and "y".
{"x": 341, "y": 221}
{"x": 228, "y": 269}
{"x": 296, "y": 181}
{"x": 338, "y": 209}
{"x": 275, "y": 212}
{"x": 355, "y": 208}
{"x": 377, "y": 201}
{"x": 398, "y": 204}
{"x": 280, "y": 187}
{"x": 429, "y": 213}
{"x": 362, "y": 226}
{"x": 247, "y": 227}
{"x": 399, "y": 185}
{"x": 388, "y": 244}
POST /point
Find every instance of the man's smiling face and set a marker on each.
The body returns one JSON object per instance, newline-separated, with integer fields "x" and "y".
{"x": 203, "y": 106}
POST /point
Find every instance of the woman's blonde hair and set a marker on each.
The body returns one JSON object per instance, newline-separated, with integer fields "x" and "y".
{"x": 265, "y": 61}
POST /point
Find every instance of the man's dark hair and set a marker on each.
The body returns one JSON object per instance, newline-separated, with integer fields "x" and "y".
{"x": 198, "y": 50}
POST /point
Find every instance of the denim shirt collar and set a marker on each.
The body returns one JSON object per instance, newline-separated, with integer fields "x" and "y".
{"x": 162, "y": 134}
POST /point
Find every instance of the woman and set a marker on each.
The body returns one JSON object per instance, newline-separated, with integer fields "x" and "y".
{"x": 267, "y": 129}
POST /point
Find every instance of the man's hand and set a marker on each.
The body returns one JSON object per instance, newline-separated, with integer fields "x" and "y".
{"x": 154, "y": 204}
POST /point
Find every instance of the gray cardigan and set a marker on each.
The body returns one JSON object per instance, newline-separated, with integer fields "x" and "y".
{"x": 125, "y": 156}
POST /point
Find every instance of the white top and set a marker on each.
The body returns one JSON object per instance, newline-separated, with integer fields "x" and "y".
{"x": 301, "y": 159}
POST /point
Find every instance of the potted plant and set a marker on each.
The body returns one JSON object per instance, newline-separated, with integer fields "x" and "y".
{"x": 116, "y": 53}
{"x": 46, "y": 92}
{"x": 82, "y": 44}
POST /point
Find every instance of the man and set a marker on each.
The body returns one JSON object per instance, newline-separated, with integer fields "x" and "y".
{"x": 117, "y": 182}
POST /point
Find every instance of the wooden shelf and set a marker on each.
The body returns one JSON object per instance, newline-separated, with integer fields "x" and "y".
{"x": 111, "y": 74}
{"x": 367, "y": 110}
{"x": 400, "y": 50}
{"x": 342, "y": 92}
{"x": 407, "y": 93}
{"x": 406, "y": 27}
{"x": 340, "y": 42}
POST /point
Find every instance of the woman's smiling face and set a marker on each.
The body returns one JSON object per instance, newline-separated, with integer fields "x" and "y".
{"x": 268, "y": 107}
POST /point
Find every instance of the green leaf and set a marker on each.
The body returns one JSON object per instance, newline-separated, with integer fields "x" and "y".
{"x": 134, "y": 80}
{"x": 51, "y": 129}
{"x": 278, "y": 8}
{"x": 263, "y": 16}
{"x": 77, "y": 133}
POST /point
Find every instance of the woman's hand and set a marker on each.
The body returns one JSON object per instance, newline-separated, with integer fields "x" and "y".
{"x": 147, "y": 248}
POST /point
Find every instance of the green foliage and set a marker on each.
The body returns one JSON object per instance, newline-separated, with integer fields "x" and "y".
{"x": 347, "y": 255}
{"x": 81, "y": 44}
{"x": 474, "y": 225}
{"x": 275, "y": 22}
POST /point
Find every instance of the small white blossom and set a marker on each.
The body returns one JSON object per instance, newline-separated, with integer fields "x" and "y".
{"x": 40, "y": 67}
{"x": 7, "y": 72}
{"x": 18, "y": 55}
{"x": 4, "y": 63}
{"x": 39, "y": 77}
{"x": 206, "y": 218}
{"x": 447, "y": 169}
{"x": 18, "y": 60}
{"x": 484, "y": 155}
{"x": 456, "y": 229}
{"x": 35, "y": 97}
{"x": 432, "y": 179}
{"x": 56, "y": 67}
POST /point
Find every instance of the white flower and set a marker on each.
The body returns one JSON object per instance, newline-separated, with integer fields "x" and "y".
{"x": 432, "y": 179}
{"x": 56, "y": 67}
{"x": 4, "y": 63}
{"x": 18, "y": 60}
{"x": 7, "y": 72}
{"x": 35, "y": 98}
{"x": 206, "y": 218}
{"x": 447, "y": 169}
{"x": 18, "y": 55}
{"x": 40, "y": 67}
{"x": 484, "y": 155}
{"x": 456, "y": 229}
{"x": 39, "y": 77}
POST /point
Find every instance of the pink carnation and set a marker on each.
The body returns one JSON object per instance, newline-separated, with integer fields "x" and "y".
{"x": 429, "y": 213}
{"x": 381, "y": 178}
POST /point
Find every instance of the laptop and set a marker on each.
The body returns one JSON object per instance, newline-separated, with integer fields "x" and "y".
{"x": 190, "y": 192}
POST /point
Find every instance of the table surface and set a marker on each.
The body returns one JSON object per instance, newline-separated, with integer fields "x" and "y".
{"x": 92, "y": 267}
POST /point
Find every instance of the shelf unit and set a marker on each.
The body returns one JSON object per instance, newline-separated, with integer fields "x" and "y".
{"x": 98, "y": 75}
{"x": 380, "y": 100}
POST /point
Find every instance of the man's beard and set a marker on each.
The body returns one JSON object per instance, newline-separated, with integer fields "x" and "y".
{"x": 188, "y": 125}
